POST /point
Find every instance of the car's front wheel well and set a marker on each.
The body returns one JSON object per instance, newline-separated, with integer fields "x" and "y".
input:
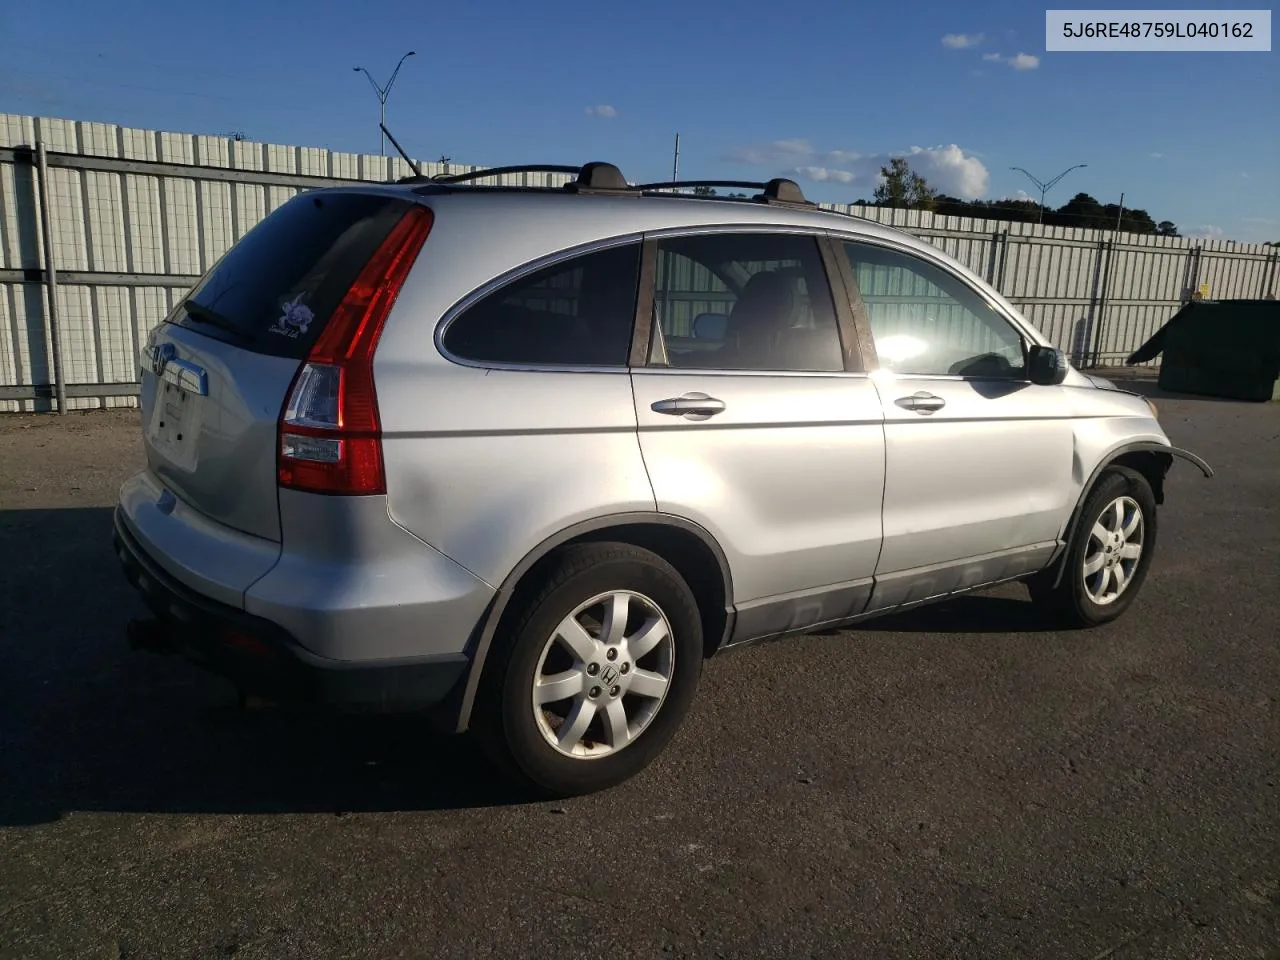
{"x": 1152, "y": 465}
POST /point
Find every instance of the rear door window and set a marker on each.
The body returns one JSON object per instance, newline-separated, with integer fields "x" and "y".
{"x": 578, "y": 312}
{"x": 727, "y": 301}
{"x": 274, "y": 291}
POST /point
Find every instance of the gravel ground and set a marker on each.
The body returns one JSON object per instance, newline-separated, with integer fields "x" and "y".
{"x": 961, "y": 781}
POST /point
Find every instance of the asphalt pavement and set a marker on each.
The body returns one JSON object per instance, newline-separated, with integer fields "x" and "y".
{"x": 961, "y": 781}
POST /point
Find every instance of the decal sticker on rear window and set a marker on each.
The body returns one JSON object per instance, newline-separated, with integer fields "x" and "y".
{"x": 294, "y": 320}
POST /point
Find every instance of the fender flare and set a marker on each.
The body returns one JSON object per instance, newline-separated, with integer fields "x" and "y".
{"x": 482, "y": 638}
{"x": 1140, "y": 446}
{"x": 1150, "y": 446}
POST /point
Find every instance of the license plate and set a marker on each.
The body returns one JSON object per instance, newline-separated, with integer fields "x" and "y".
{"x": 175, "y": 425}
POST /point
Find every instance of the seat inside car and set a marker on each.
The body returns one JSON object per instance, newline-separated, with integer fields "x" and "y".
{"x": 767, "y": 307}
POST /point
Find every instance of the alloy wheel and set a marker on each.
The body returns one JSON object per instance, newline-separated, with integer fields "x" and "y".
{"x": 603, "y": 675}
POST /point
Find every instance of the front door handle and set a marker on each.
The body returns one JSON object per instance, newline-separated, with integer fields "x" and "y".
{"x": 921, "y": 402}
{"x": 691, "y": 406}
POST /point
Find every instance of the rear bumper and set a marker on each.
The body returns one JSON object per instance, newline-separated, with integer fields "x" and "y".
{"x": 262, "y": 658}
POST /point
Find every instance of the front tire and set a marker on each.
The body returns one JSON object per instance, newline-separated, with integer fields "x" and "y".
{"x": 595, "y": 673}
{"x": 1109, "y": 554}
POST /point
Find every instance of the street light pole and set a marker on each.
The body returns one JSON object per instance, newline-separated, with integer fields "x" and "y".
{"x": 384, "y": 92}
{"x": 1046, "y": 187}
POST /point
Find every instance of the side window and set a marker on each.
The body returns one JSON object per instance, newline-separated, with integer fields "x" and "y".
{"x": 744, "y": 302}
{"x": 579, "y": 312}
{"x": 926, "y": 321}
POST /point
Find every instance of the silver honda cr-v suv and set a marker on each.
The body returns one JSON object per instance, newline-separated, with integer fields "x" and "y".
{"x": 525, "y": 457}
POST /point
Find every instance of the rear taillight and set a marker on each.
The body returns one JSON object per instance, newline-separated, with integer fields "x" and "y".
{"x": 330, "y": 435}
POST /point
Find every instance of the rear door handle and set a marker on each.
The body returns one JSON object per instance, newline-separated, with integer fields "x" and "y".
{"x": 921, "y": 402}
{"x": 691, "y": 406}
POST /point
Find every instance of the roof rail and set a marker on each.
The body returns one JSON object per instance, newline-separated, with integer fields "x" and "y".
{"x": 600, "y": 177}
{"x": 673, "y": 184}
{"x": 777, "y": 190}
{"x": 595, "y": 177}
{"x": 499, "y": 171}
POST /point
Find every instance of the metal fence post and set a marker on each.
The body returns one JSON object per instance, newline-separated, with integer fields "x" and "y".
{"x": 1004, "y": 257}
{"x": 1088, "y": 341}
{"x": 51, "y": 280}
{"x": 1194, "y": 268}
{"x": 992, "y": 257}
{"x": 1268, "y": 283}
{"x": 1108, "y": 247}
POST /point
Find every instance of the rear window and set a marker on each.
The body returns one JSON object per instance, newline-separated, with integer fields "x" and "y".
{"x": 578, "y": 312}
{"x": 274, "y": 291}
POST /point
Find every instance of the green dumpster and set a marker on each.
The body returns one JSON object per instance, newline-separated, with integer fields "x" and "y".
{"x": 1219, "y": 348}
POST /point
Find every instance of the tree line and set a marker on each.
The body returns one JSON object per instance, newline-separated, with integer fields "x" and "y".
{"x": 906, "y": 188}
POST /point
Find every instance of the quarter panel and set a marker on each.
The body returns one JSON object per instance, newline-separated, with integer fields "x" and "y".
{"x": 486, "y": 464}
{"x": 352, "y": 585}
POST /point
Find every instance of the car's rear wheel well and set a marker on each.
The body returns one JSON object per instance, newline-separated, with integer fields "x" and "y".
{"x": 693, "y": 559}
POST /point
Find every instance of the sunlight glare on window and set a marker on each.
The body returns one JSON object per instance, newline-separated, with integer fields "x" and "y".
{"x": 900, "y": 348}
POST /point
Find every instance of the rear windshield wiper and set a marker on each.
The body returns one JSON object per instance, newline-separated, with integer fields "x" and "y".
{"x": 213, "y": 318}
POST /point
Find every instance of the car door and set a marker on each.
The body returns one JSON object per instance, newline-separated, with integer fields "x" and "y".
{"x": 978, "y": 460}
{"x": 757, "y": 421}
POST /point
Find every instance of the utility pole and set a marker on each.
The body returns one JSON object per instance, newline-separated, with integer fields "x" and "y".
{"x": 383, "y": 92}
{"x": 675, "y": 161}
{"x": 1120, "y": 213}
{"x": 1046, "y": 187}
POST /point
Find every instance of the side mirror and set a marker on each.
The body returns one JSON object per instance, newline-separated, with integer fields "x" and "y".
{"x": 1046, "y": 366}
{"x": 710, "y": 326}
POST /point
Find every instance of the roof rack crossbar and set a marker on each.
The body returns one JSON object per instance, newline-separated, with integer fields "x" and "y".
{"x": 499, "y": 171}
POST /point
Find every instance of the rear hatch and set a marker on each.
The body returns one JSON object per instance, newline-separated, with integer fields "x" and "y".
{"x": 217, "y": 372}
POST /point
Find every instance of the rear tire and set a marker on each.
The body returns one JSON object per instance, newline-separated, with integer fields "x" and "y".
{"x": 1109, "y": 554}
{"x": 616, "y": 631}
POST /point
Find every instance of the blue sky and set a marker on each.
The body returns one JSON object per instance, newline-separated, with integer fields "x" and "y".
{"x": 756, "y": 88}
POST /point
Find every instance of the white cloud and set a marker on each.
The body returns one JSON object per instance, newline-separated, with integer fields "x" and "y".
{"x": 826, "y": 173}
{"x": 951, "y": 170}
{"x": 1206, "y": 230}
{"x": 1157, "y": 155}
{"x": 602, "y": 110}
{"x": 1020, "y": 61}
{"x": 947, "y": 168}
{"x": 1022, "y": 195}
{"x": 960, "y": 41}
